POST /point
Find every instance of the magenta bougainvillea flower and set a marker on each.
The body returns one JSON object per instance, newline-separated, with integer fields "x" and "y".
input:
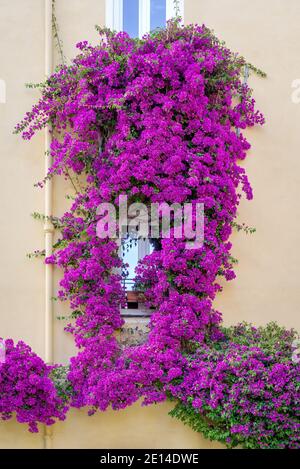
{"x": 160, "y": 120}
{"x": 26, "y": 388}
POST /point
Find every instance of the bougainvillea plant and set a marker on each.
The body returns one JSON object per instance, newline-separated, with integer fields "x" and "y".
{"x": 243, "y": 390}
{"x": 161, "y": 120}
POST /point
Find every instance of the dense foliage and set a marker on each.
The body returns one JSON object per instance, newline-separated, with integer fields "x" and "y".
{"x": 243, "y": 390}
{"x": 26, "y": 388}
{"x": 161, "y": 120}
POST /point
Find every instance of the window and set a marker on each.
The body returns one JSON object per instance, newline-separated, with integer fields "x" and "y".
{"x": 137, "y": 17}
{"x": 132, "y": 251}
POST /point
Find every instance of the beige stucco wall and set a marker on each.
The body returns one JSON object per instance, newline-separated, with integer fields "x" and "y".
{"x": 267, "y": 284}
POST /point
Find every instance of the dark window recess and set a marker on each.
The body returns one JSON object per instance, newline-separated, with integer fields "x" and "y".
{"x": 156, "y": 244}
{"x": 132, "y": 305}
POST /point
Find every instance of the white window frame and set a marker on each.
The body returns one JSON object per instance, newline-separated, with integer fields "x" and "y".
{"x": 114, "y": 14}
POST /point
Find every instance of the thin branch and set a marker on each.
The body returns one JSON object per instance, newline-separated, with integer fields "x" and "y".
{"x": 55, "y": 31}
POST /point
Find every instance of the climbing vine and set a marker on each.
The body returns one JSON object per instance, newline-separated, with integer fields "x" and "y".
{"x": 155, "y": 119}
{"x": 56, "y": 37}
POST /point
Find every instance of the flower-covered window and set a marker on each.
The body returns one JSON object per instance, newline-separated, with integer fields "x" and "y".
{"x": 137, "y": 17}
{"x": 133, "y": 251}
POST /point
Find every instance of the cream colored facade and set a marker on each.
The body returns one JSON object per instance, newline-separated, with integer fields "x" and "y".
{"x": 267, "y": 285}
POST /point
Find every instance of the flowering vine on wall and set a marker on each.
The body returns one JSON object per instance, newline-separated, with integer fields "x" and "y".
{"x": 155, "y": 119}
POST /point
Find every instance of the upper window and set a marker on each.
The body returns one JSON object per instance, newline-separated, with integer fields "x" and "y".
{"x": 138, "y": 17}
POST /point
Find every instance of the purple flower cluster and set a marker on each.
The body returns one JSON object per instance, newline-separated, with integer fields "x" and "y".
{"x": 26, "y": 388}
{"x": 156, "y": 120}
{"x": 240, "y": 394}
